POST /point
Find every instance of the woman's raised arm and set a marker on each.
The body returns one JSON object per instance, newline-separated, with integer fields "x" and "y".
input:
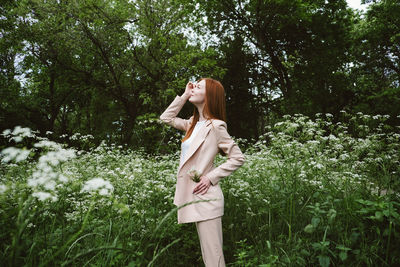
{"x": 169, "y": 116}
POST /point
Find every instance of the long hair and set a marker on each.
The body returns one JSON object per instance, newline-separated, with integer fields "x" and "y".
{"x": 214, "y": 107}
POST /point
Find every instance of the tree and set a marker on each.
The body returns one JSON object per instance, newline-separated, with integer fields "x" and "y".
{"x": 377, "y": 66}
{"x": 301, "y": 49}
{"x": 133, "y": 54}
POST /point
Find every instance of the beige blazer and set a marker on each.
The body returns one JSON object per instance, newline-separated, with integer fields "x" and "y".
{"x": 211, "y": 139}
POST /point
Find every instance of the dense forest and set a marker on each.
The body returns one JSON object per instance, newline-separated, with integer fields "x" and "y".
{"x": 109, "y": 68}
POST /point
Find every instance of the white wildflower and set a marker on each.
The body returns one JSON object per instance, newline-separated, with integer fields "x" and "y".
{"x": 17, "y": 139}
{"x": 50, "y": 185}
{"x": 49, "y": 144}
{"x": 11, "y": 153}
{"x": 24, "y": 132}
{"x": 319, "y": 166}
{"x": 24, "y": 153}
{"x": 3, "y": 188}
{"x": 333, "y": 137}
{"x": 313, "y": 142}
{"x": 339, "y": 147}
{"x": 6, "y": 132}
{"x": 95, "y": 184}
{"x": 376, "y": 117}
{"x": 46, "y": 177}
{"x": 366, "y": 116}
{"x": 194, "y": 174}
{"x": 103, "y": 192}
{"x": 63, "y": 178}
{"x": 42, "y": 196}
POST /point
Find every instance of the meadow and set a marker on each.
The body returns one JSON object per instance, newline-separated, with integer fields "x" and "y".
{"x": 312, "y": 192}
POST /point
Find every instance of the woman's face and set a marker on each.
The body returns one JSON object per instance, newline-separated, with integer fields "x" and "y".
{"x": 198, "y": 93}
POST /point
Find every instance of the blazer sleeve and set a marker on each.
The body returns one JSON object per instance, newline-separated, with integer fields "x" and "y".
{"x": 230, "y": 148}
{"x": 169, "y": 116}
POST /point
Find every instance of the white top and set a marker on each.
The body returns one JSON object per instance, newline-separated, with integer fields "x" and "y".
{"x": 186, "y": 144}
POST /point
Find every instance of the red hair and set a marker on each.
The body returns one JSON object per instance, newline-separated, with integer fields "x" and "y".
{"x": 214, "y": 107}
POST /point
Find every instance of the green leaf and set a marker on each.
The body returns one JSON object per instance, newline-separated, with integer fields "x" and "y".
{"x": 315, "y": 221}
{"x": 324, "y": 261}
{"x": 342, "y": 247}
{"x": 309, "y": 228}
{"x": 343, "y": 255}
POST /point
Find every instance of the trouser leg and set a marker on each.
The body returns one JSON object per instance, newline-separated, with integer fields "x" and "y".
{"x": 210, "y": 235}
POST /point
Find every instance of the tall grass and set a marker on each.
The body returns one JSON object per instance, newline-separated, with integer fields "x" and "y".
{"x": 311, "y": 192}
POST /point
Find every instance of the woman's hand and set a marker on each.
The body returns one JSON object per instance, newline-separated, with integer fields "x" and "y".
{"x": 188, "y": 90}
{"x": 202, "y": 186}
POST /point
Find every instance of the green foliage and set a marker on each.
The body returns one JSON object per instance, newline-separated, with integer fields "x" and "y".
{"x": 376, "y": 50}
{"x": 100, "y": 67}
{"x": 297, "y": 50}
{"x": 310, "y": 193}
{"x": 96, "y": 64}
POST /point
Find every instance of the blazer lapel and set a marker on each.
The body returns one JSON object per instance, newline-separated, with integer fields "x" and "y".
{"x": 197, "y": 141}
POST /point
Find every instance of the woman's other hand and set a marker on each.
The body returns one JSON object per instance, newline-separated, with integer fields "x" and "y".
{"x": 202, "y": 186}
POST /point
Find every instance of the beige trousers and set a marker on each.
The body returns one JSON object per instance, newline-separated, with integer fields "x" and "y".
{"x": 210, "y": 235}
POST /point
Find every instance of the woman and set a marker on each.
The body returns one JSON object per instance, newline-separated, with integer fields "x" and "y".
{"x": 206, "y": 135}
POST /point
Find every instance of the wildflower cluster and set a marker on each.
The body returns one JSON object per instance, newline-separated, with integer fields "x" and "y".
{"x": 194, "y": 174}
{"x": 99, "y": 185}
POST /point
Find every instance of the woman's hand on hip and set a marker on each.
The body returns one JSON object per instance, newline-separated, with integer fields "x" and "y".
{"x": 202, "y": 186}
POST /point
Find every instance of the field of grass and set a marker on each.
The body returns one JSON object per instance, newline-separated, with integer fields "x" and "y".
{"x": 311, "y": 193}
